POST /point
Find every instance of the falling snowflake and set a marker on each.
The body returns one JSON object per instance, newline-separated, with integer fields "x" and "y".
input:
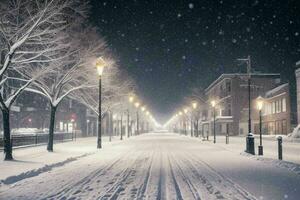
{"x": 186, "y": 40}
{"x": 191, "y": 5}
{"x": 297, "y": 33}
{"x": 204, "y": 43}
{"x": 221, "y": 32}
{"x": 183, "y": 57}
{"x": 179, "y": 15}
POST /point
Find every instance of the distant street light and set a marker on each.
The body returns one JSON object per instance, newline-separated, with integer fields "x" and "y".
{"x": 213, "y": 104}
{"x": 100, "y": 64}
{"x": 131, "y": 98}
{"x": 260, "y": 105}
{"x": 185, "y": 120}
{"x": 137, "y": 105}
{"x": 194, "y": 105}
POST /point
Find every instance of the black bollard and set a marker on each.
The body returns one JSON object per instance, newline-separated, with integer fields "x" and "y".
{"x": 279, "y": 139}
{"x": 250, "y": 144}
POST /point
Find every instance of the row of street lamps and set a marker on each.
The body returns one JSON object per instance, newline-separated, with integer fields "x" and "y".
{"x": 100, "y": 65}
{"x": 213, "y": 103}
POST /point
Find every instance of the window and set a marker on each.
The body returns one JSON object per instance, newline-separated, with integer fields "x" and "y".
{"x": 228, "y": 85}
{"x": 271, "y": 128}
{"x": 280, "y": 105}
{"x": 284, "y": 127}
{"x": 273, "y": 108}
{"x": 284, "y": 105}
{"x": 278, "y": 127}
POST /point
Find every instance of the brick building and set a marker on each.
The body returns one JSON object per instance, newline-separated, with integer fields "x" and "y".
{"x": 276, "y": 112}
{"x": 231, "y": 96}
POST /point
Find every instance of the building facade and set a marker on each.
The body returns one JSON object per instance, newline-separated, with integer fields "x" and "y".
{"x": 230, "y": 92}
{"x": 276, "y": 112}
{"x": 297, "y": 73}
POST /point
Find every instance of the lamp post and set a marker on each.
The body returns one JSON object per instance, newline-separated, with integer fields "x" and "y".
{"x": 131, "y": 98}
{"x": 194, "y": 106}
{"x": 259, "y": 107}
{"x": 143, "y": 120}
{"x": 180, "y": 122}
{"x": 100, "y": 64}
{"x": 185, "y": 121}
{"x": 137, "y": 105}
{"x": 147, "y": 114}
{"x": 213, "y": 104}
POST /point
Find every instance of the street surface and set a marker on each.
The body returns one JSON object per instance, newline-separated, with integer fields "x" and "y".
{"x": 157, "y": 166}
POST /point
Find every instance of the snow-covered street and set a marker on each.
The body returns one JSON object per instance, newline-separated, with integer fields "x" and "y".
{"x": 158, "y": 166}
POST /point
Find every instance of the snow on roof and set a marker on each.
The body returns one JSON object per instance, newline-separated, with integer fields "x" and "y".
{"x": 223, "y": 76}
{"x": 298, "y": 63}
{"x": 276, "y": 89}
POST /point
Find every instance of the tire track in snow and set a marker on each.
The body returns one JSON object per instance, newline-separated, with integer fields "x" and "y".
{"x": 114, "y": 189}
{"x": 161, "y": 182}
{"x": 221, "y": 179}
{"x": 174, "y": 180}
{"x": 74, "y": 189}
{"x": 186, "y": 179}
{"x": 143, "y": 187}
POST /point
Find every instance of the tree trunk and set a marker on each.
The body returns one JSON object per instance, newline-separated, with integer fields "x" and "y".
{"x": 51, "y": 129}
{"x": 6, "y": 135}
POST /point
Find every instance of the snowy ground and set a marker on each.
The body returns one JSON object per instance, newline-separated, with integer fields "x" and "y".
{"x": 153, "y": 166}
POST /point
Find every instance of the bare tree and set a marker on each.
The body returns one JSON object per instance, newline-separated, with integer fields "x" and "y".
{"x": 72, "y": 73}
{"x": 115, "y": 89}
{"x": 28, "y": 37}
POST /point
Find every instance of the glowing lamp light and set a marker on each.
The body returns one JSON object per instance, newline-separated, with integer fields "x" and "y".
{"x": 213, "y": 103}
{"x": 194, "y": 105}
{"x": 180, "y": 113}
{"x": 100, "y": 64}
{"x": 143, "y": 108}
{"x": 185, "y": 110}
{"x": 260, "y": 103}
{"x": 137, "y": 104}
{"x": 131, "y": 98}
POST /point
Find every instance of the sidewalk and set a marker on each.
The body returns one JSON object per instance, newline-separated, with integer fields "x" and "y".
{"x": 237, "y": 144}
{"x": 33, "y": 160}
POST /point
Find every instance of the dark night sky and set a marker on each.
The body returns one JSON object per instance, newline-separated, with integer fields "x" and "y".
{"x": 169, "y": 47}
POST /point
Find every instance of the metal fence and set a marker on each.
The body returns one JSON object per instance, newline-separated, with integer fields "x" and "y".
{"x": 37, "y": 139}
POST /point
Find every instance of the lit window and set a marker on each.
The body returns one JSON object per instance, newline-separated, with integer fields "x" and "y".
{"x": 283, "y": 105}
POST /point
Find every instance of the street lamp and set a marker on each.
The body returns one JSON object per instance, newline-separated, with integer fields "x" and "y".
{"x": 130, "y": 99}
{"x": 195, "y": 105}
{"x": 137, "y": 105}
{"x": 260, "y": 105}
{"x": 100, "y": 64}
{"x": 143, "y": 108}
{"x": 185, "y": 120}
{"x": 213, "y": 104}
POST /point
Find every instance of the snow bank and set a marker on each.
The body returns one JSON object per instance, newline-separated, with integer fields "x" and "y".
{"x": 36, "y": 172}
{"x": 295, "y": 133}
{"x": 292, "y": 167}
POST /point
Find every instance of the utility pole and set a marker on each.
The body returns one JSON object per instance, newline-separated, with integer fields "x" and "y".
{"x": 250, "y": 138}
